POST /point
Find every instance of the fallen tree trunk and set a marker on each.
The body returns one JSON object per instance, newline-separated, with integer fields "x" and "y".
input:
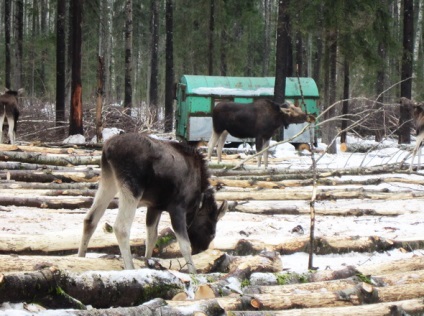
{"x": 278, "y": 174}
{"x": 49, "y": 150}
{"x": 363, "y": 293}
{"x": 408, "y": 277}
{"x": 205, "y": 262}
{"x": 46, "y": 175}
{"x": 100, "y": 289}
{"x": 327, "y": 245}
{"x": 17, "y": 185}
{"x": 302, "y": 183}
{"x": 405, "y": 307}
{"x": 49, "y": 159}
{"x": 275, "y": 194}
{"x": 52, "y": 202}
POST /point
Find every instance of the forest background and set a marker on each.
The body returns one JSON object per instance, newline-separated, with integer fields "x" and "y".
{"x": 71, "y": 55}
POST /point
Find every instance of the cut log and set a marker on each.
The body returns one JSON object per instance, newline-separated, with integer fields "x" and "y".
{"x": 298, "y": 208}
{"x": 406, "y": 307}
{"x": 18, "y": 185}
{"x": 205, "y": 262}
{"x": 100, "y": 289}
{"x": 396, "y": 266}
{"x": 275, "y": 194}
{"x": 46, "y": 175}
{"x": 52, "y": 202}
{"x": 363, "y": 293}
{"x": 252, "y": 183}
{"x": 50, "y": 150}
{"x": 327, "y": 245}
{"x": 49, "y": 159}
{"x": 62, "y": 243}
{"x": 409, "y": 277}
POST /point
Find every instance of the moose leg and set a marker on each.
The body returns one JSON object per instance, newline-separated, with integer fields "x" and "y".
{"x": 152, "y": 221}
{"x": 212, "y": 143}
{"x": 105, "y": 193}
{"x": 265, "y": 145}
{"x": 11, "y": 133}
{"x": 418, "y": 143}
{"x": 259, "y": 143}
{"x": 179, "y": 225}
{"x": 221, "y": 143}
{"x": 122, "y": 227}
{"x": 2, "y": 117}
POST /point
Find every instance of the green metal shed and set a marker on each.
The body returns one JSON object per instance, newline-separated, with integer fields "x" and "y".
{"x": 197, "y": 95}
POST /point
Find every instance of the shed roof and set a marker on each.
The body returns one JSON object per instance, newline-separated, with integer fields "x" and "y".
{"x": 246, "y": 86}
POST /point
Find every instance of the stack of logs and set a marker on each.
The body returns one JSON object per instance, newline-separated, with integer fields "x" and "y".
{"x": 250, "y": 281}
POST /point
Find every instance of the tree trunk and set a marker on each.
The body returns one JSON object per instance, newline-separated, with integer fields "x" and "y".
{"x": 19, "y": 31}
{"x": 407, "y": 307}
{"x": 76, "y": 114}
{"x": 211, "y": 36}
{"x": 7, "y": 37}
{"x": 266, "y": 38}
{"x": 281, "y": 58}
{"x": 154, "y": 57}
{"x": 134, "y": 286}
{"x": 60, "y": 64}
{"x": 406, "y": 76}
{"x": 346, "y": 97}
{"x": 128, "y": 56}
{"x": 56, "y": 160}
{"x": 99, "y": 99}
{"x": 169, "y": 72}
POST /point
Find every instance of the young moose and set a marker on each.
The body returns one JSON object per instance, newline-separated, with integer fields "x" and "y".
{"x": 165, "y": 176}
{"x": 258, "y": 120}
{"x": 9, "y": 110}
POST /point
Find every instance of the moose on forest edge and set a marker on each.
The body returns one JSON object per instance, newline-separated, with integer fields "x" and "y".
{"x": 165, "y": 176}
{"x": 258, "y": 120}
{"x": 9, "y": 111}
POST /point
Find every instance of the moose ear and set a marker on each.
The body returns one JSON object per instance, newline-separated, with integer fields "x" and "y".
{"x": 222, "y": 210}
{"x": 21, "y": 91}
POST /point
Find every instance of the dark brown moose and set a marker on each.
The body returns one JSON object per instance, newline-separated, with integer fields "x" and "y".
{"x": 258, "y": 120}
{"x": 165, "y": 176}
{"x": 9, "y": 110}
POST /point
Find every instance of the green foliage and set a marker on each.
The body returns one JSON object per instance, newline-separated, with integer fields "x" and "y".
{"x": 245, "y": 283}
{"x": 364, "y": 278}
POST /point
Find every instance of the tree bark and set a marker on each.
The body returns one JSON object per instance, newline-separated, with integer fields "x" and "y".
{"x": 282, "y": 51}
{"x": 7, "y": 37}
{"x": 76, "y": 114}
{"x": 51, "y": 176}
{"x": 60, "y": 64}
{"x": 154, "y": 52}
{"x": 406, "y": 71}
{"x": 99, "y": 99}
{"x": 49, "y": 159}
{"x": 169, "y": 66}
{"x": 128, "y": 56}
{"x": 99, "y": 289}
{"x": 410, "y": 307}
{"x": 19, "y": 38}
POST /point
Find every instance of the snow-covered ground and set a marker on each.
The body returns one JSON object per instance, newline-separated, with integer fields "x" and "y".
{"x": 274, "y": 229}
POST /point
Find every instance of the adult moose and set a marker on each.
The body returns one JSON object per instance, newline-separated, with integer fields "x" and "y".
{"x": 418, "y": 122}
{"x": 9, "y": 110}
{"x": 258, "y": 120}
{"x": 166, "y": 176}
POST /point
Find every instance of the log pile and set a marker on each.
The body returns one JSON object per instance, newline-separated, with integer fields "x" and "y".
{"x": 43, "y": 268}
